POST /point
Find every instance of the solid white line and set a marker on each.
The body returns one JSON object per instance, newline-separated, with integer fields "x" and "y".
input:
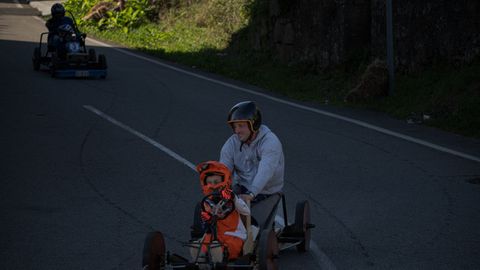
{"x": 322, "y": 112}
{"x": 141, "y": 136}
{"x": 18, "y": 4}
{"x": 321, "y": 258}
{"x": 38, "y": 18}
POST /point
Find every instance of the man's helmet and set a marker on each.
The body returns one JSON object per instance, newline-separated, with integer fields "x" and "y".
{"x": 208, "y": 168}
{"x": 246, "y": 111}
{"x": 57, "y": 10}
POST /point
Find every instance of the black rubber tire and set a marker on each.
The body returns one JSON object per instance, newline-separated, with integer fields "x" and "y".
{"x": 92, "y": 55}
{"x": 36, "y": 59}
{"x": 302, "y": 219}
{"x": 267, "y": 251}
{"x": 102, "y": 61}
{"x": 154, "y": 252}
{"x": 54, "y": 66}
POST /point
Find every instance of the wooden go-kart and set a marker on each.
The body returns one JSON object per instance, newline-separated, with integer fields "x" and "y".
{"x": 263, "y": 250}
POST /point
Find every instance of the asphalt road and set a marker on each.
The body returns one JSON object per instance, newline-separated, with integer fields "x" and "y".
{"x": 80, "y": 192}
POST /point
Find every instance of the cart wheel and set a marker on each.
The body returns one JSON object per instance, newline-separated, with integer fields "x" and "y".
{"x": 36, "y": 59}
{"x": 302, "y": 221}
{"x": 92, "y": 56}
{"x": 268, "y": 250}
{"x": 102, "y": 61}
{"x": 154, "y": 252}
{"x": 54, "y": 65}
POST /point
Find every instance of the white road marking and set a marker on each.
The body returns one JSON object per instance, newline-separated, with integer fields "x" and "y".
{"x": 320, "y": 258}
{"x": 322, "y": 112}
{"x": 141, "y": 136}
{"x": 17, "y": 4}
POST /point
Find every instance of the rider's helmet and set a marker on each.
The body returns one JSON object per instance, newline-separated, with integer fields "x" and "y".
{"x": 246, "y": 111}
{"x": 208, "y": 168}
{"x": 57, "y": 10}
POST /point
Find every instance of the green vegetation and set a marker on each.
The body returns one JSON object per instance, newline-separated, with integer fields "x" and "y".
{"x": 135, "y": 13}
{"x": 449, "y": 95}
{"x": 198, "y": 33}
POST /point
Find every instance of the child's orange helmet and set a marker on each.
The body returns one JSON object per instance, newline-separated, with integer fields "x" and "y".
{"x": 208, "y": 168}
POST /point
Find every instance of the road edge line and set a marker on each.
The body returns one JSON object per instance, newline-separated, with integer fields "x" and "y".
{"x": 322, "y": 112}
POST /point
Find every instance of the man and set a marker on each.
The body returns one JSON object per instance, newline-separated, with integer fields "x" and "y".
{"x": 253, "y": 153}
{"x": 58, "y": 19}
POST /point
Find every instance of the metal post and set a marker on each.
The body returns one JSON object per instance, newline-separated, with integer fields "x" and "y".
{"x": 390, "y": 62}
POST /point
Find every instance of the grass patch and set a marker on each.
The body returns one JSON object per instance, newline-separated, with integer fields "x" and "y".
{"x": 450, "y": 96}
{"x": 199, "y": 35}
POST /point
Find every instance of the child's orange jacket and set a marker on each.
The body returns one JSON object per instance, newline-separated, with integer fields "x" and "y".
{"x": 230, "y": 231}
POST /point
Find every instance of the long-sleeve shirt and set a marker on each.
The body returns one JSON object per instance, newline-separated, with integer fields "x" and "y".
{"x": 53, "y": 23}
{"x": 258, "y": 166}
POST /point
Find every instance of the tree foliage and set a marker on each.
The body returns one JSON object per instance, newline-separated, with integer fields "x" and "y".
{"x": 133, "y": 14}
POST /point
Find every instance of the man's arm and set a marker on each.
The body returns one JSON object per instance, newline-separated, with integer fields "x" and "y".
{"x": 270, "y": 154}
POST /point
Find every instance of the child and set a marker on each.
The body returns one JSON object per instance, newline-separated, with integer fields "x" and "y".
{"x": 216, "y": 179}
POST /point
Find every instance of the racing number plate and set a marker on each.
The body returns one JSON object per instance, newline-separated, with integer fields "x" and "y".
{"x": 81, "y": 73}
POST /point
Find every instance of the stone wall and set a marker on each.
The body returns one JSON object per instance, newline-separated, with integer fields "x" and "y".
{"x": 323, "y": 33}
{"x": 429, "y": 31}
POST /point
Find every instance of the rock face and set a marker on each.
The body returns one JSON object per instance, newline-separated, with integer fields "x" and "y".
{"x": 324, "y": 33}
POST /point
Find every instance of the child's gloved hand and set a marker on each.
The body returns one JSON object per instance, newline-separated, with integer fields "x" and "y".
{"x": 206, "y": 217}
{"x": 227, "y": 194}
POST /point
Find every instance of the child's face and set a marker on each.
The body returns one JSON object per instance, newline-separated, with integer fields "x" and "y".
{"x": 213, "y": 179}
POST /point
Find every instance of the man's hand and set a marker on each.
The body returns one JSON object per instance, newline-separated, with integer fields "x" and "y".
{"x": 246, "y": 197}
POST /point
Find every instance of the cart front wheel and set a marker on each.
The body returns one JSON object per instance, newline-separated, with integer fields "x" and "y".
{"x": 268, "y": 250}
{"x": 154, "y": 252}
{"x": 92, "y": 55}
{"x": 302, "y": 224}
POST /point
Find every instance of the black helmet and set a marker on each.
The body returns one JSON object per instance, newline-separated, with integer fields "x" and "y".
{"x": 57, "y": 9}
{"x": 246, "y": 111}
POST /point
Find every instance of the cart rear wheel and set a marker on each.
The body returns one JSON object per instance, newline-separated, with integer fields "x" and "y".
{"x": 268, "y": 250}
{"x": 302, "y": 221}
{"x": 36, "y": 59}
{"x": 102, "y": 61}
{"x": 154, "y": 252}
